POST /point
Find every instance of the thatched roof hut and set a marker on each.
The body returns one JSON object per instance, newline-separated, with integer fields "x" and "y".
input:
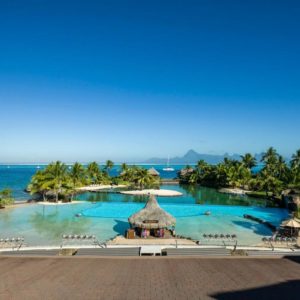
{"x": 291, "y": 192}
{"x": 292, "y": 223}
{"x": 153, "y": 172}
{"x": 186, "y": 171}
{"x": 152, "y": 216}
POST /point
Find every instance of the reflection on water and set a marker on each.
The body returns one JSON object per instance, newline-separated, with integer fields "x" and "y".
{"x": 53, "y": 225}
{"x": 204, "y": 195}
{"x": 97, "y": 197}
{"x": 111, "y": 197}
{"x": 192, "y": 194}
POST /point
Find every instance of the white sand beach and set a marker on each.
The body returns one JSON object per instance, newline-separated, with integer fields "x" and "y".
{"x": 100, "y": 187}
{"x": 60, "y": 203}
{"x": 235, "y": 191}
{"x": 163, "y": 193}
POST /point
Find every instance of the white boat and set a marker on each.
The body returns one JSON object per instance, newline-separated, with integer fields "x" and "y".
{"x": 168, "y": 168}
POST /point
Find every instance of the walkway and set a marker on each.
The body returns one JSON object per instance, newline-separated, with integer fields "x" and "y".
{"x": 148, "y": 278}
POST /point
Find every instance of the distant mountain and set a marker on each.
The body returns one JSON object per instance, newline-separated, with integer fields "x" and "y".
{"x": 192, "y": 157}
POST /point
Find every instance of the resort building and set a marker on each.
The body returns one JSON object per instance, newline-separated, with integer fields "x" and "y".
{"x": 151, "y": 221}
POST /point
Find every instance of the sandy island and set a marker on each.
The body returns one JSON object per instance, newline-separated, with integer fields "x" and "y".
{"x": 99, "y": 187}
{"x": 163, "y": 193}
{"x": 60, "y": 203}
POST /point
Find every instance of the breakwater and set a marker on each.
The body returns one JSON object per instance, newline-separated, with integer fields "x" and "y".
{"x": 258, "y": 220}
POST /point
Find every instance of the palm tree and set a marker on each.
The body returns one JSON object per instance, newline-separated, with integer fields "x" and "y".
{"x": 248, "y": 160}
{"x": 77, "y": 174}
{"x": 221, "y": 174}
{"x": 57, "y": 174}
{"x": 124, "y": 167}
{"x": 295, "y": 162}
{"x": 269, "y": 155}
{"x": 142, "y": 178}
{"x": 270, "y": 159}
{"x": 295, "y": 169}
{"x": 93, "y": 172}
{"x": 40, "y": 184}
{"x": 76, "y": 178}
{"x": 202, "y": 164}
{"x": 108, "y": 166}
{"x": 272, "y": 184}
{"x": 6, "y": 197}
{"x": 282, "y": 168}
{"x": 196, "y": 176}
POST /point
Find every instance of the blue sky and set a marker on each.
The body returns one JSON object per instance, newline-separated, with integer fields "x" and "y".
{"x": 128, "y": 80}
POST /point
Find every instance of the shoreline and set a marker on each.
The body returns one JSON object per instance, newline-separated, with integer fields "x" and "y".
{"x": 100, "y": 187}
{"x": 19, "y": 204}
{"x": 162, "y": 193}
{"x": 234, "y": 191}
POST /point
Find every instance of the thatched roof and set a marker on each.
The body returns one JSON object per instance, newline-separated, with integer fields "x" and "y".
{"x": 291, "y": 192}
{"x": 186, "y": 171}
{"x": 291, "y": 223}
{"x": 152, "y": 216}
{"x": 153, "y": 172}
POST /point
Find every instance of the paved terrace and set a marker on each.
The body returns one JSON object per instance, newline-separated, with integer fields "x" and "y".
{"x": 148, "y": 278}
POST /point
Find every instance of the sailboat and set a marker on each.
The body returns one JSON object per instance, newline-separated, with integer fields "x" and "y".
{"x": 168, "y": 168}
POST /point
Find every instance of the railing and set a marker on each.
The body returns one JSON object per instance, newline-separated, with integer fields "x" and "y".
{"x": 13, "y": 243}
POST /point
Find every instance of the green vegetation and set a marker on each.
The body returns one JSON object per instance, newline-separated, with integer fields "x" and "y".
{"x": 297, "y": 213}
{"x": 58, "y": 182}
{"x": 138, "y": 177}
{"x": 6, "y": 198}
{"x": 275, "y": 176}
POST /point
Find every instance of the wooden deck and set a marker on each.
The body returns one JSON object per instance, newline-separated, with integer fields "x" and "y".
{"x": 148, "y": 278}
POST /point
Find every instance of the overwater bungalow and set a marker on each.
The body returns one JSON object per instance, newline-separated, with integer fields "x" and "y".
{"x": 151, "y": 221}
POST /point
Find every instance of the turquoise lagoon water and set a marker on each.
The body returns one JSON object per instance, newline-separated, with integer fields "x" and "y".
{"x": 105, "y": 215}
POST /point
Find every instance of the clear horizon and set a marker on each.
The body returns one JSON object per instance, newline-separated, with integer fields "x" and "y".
{"x": 129, "y": 81}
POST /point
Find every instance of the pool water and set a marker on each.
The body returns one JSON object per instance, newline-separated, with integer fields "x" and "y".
{"x": 106, "y": 214}
{"x": 124, "y": 210}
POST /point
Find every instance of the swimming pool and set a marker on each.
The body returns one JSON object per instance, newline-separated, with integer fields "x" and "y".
{"x": 105, "y": 215}
{"x": 44, "y": 225}
{"x": 124, "y": 210}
